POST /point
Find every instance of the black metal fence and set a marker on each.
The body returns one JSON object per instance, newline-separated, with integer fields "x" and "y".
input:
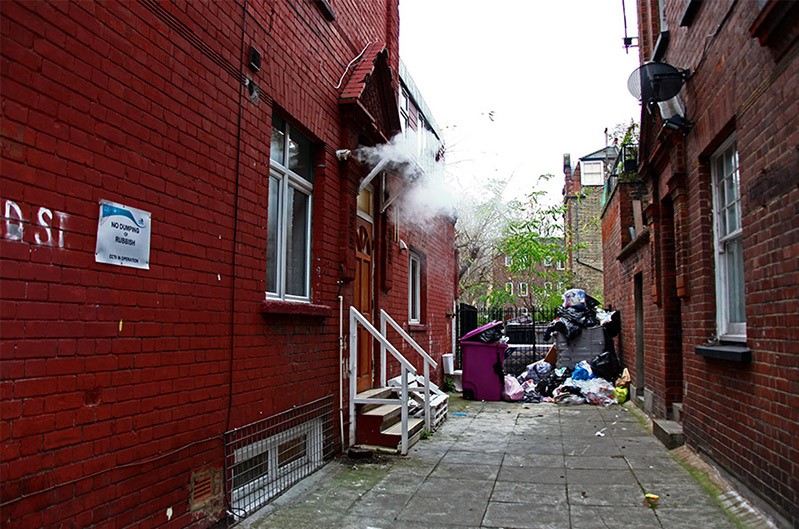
{"x": 523, "y": 326}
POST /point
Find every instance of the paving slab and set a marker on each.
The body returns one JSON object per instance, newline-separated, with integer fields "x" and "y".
{"x": 508, "y": 465}
{"x": 525, "y": 516}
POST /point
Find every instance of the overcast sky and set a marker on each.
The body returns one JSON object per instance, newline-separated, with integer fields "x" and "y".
{"x": 515, "y": 84}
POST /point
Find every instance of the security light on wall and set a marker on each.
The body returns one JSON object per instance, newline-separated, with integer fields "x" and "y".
{"x": 673, "y": 113}
{"x": 678, "y": 122}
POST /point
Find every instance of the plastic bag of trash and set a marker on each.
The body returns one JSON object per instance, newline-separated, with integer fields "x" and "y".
{"x": 568, "y": 398}
{"x": 582, "y": 371}
{"x": 596, "y": 391}
{"x": 536, "y": 371}
{"x": 552, "y": 380}
{"x": 574, "y": 297}
{"x": 624, "y": 380}
{"x": 512, "y": 391}
{"x": 606, "y": 365}
{"x": 492, "y": 335}
{"x": 620, "y": 394}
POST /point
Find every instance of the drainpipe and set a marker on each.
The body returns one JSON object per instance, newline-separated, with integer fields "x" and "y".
{"x": 341, "y": 370}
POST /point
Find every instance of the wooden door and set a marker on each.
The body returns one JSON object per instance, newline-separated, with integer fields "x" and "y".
{"x": 364, "y": 252}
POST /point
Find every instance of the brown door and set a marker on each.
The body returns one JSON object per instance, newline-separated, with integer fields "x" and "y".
{"x": 363, "y": 299}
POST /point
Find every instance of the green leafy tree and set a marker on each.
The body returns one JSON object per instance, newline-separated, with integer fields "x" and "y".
{"x": 534, "y": 241}
{"x": 481, "y": 225}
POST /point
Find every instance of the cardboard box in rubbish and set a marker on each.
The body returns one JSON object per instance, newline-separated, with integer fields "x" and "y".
{"x": 588, "y": 344}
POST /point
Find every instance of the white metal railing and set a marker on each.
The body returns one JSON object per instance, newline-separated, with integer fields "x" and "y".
{"x": 428, "y": 363}
{"x": 406, "y": 367}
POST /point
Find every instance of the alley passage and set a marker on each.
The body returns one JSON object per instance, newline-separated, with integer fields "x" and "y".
{"x": 510, "y": 465}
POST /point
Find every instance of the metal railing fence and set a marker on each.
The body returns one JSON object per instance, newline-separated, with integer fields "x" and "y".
{"x": 263, "y": 459}
{"x": 524, "y": 327}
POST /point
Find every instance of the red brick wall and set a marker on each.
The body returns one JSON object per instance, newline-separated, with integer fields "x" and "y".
{"x": 622, "y": 262}
{"x": 742, "y": 415}
{"x": 117, "y": 383}
{"x": 429, "y": 236}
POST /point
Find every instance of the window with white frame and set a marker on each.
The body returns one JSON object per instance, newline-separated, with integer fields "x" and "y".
{"x": 405, "y": 112}
{"x": 592, "y": 173}
{"x": 524, "y": 291}
{"x": 288, "y": 246}
{"x": 421, "y": 139}
{"x": 414, "y": 289}
{"x": 509, "y": 288}
{"x": 730, "y": 306}
{"x": 508, "y": 260}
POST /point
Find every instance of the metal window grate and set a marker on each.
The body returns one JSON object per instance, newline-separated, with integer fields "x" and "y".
{"x": 263, "y": 459}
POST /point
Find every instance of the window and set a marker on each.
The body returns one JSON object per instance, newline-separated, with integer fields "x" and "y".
{"x": 591, "y": 174}
{"x": 508, "y": 260}
{"x": 730, "y": 307}
{"x": 421, "y": 140}
{"x": 264, "y": 468}
{"x": 523, "y": 290}
{"x": 288, "y": 246}
{"x": 561, "y": 265}
{"x": 415, "y": 289}
{"x": 547, "y": 261}
{"x": 405, "y": 112}
{"x": 509, "y": 288}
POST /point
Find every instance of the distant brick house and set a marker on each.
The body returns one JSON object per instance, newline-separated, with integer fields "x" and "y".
{"x": 531, "y": 288}
{"x": 183, "y": 234}
{"x": 701, "y": 239}
{"x": 582, "y": 198}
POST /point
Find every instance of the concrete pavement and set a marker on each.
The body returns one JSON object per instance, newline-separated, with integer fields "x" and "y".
{"x": 508, "y": 465}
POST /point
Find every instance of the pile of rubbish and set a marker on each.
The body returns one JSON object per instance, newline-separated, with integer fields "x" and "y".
{"x": 582, "y": 366}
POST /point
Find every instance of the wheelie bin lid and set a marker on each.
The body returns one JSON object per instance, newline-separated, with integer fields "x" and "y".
{"x": 474, "y": 336}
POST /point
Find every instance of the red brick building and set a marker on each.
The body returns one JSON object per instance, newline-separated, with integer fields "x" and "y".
{"x": 707, "y": 278}
{"x": 182, "y": 239}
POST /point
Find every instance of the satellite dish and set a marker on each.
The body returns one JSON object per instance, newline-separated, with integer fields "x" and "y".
{"x": 654, "y": 82}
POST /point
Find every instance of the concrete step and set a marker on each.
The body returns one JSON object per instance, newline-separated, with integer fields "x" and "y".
{"x": 676, "y": 412}
{"x": 669, "y": 433}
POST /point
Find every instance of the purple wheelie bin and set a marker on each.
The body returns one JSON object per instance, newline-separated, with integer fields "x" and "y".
{"x": 482, "y": 358}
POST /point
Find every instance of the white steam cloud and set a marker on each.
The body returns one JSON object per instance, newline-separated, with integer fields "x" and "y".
{"x": 428, "y": 195}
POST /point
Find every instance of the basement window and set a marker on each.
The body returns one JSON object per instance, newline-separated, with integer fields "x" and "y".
{"x": 261, "y": 469}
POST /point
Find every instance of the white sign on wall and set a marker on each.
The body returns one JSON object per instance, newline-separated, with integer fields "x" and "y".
{"x": 123, "y": 236}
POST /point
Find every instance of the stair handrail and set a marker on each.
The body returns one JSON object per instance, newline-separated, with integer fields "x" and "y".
{"x": 428, "y": 362}
{"x": 406, "y": 367}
